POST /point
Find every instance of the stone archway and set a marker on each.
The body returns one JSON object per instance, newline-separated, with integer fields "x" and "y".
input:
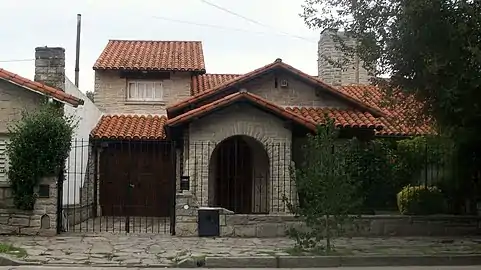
{"x": 239, "y": 175}
{"x": 207, "y": 133}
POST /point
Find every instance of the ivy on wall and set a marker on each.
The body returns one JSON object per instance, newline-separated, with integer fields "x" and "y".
{"x": 39, "y": 145}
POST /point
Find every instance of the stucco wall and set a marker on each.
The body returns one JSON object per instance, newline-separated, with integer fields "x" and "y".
{"x": 297, "y": 93}
{"x": 240, "y": 120}
{"x": 13, "y": 101}
{"x": 110, "y": 93}
{"x": 87, "y": 117}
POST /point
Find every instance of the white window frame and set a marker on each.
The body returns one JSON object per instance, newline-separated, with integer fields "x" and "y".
{"x": 133, "y": 94}
{"x": 3, "y": 159}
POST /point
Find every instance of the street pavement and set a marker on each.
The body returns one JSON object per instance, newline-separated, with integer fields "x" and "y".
{"x": 340, "y": 268}
{"x": 156, "y": 251}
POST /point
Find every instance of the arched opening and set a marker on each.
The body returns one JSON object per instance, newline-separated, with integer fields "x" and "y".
{"x": 238, "y": 176}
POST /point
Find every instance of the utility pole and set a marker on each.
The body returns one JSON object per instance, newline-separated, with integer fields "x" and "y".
{"x": 77, "y": 50}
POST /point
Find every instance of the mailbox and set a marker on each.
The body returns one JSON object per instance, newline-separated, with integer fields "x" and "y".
{"x": 184, "y": 183}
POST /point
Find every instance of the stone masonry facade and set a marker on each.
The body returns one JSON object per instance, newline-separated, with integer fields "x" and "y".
{"x": 13, "y": 101}
{"x": 352, "y": 72}
{"x": 42, "y": 220}
{"x": 111, "y": 93}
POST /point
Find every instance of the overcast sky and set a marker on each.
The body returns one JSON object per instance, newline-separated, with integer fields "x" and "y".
{"x": 27, "y": 24}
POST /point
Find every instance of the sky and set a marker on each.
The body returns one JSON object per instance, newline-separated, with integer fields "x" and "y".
{"x": 264, "y": 31}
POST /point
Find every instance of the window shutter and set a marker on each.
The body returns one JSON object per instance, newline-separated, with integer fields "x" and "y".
{"x": 158, "y": 95}
{"x": 3, "y": 159}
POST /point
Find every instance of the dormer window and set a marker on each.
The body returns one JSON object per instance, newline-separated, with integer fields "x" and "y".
{"x": 145, "y": 91}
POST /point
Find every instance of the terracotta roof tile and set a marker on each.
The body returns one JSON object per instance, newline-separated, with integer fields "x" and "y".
{"x": 146, "y": 127}
{"x": 238, "y": 96}
{"x": 257, "y": 72}
{"x": 152, "y": 55}
{"x": 396, "y": 122}
{"x": 55, "y": 93}
{"x": 202, "y": 83}
{"x": 343, "y": 118}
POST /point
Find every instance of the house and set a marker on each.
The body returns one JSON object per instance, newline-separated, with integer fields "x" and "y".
{"x": 229, "y": 140}
{"x": 18, "y": 94}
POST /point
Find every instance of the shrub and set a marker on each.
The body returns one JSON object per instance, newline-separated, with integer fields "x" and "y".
{"x": 39, "y": 144}
{"x": 420, "y": 200}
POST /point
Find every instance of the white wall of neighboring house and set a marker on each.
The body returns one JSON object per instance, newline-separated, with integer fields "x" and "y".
{"x": 87, "y": 117}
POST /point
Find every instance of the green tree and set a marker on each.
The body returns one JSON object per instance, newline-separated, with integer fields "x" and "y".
{"x": 327, "y": 193}
{"x": 39, "y": 144}
{"x": 430, "y": 50}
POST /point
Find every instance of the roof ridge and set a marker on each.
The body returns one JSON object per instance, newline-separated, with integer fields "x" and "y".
{"x": 154, "y": 40}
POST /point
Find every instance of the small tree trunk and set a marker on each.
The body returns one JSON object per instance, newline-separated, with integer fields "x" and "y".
{"x": 328, "y": 235}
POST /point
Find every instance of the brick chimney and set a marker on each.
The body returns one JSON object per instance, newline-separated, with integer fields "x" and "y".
{"x": 50, "y": 66}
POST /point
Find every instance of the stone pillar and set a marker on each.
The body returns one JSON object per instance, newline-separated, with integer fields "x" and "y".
{"x": 50, "y": 66}
{"x": 280, "y": 177}
{"x": 186, "y": 213}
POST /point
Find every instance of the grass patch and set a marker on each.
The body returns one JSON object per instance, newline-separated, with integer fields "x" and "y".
{"x": 9, "y": 249}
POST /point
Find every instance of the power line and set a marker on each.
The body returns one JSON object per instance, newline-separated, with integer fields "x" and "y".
{"x": 252, "y": 21}
{"x": 16, "y": 60}
{"x": 226, "y": 28}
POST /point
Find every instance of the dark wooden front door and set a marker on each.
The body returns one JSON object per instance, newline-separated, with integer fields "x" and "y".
{"x": 136, "y": 179}
{"x": 234, "y": 175}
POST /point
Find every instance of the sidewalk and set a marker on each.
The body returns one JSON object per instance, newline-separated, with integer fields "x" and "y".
{"x": 138, "y": 250}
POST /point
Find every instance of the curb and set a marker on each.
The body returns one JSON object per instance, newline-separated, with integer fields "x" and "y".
{"x": 337, "y": 261}
{"x": 8, "y": 261}
{"x": 294, "y": 262}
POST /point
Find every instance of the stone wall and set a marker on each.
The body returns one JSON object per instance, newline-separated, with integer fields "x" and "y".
{"x": 276, "y": 225}
{"x": 111, "y": 94}
{"x": 42, "y": 220}
{"x": 13, "y": 101}
{"x": 297, "y": 93}
{"x": 367, "y": 226}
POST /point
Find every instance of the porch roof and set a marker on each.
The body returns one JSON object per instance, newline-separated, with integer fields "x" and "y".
{"x": 241, "y": 96}
{"x": 130, "y": 127}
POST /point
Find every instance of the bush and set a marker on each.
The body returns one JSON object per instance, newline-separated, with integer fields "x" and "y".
{"x": 39, "y": 145}
{"x": 420, "y": 200}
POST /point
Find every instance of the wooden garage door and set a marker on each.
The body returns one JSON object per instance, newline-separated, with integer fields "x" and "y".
{"x": 136, "y": 179}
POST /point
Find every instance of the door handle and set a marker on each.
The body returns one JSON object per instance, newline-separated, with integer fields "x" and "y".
{"x": 131, "y": 185}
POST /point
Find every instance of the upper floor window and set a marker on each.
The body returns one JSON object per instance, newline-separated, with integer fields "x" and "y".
{"x": 145, "y": 91}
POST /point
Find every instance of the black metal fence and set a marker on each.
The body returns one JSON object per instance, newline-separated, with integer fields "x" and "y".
{"x": 119, "y": 186}
{"x": 128, "y": 186}
{"x": 413, "y": 172}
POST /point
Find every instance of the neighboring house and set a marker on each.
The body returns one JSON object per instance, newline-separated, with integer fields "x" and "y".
{"x": 19, "y": 94}
{"x": 233, "y": 136}
{"x": 77, "y": 167}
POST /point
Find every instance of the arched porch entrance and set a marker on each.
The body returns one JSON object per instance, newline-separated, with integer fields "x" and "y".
{"x": 238, "y": 176}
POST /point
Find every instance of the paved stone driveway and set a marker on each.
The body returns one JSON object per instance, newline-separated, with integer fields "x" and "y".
{"x": 122, "y": 250}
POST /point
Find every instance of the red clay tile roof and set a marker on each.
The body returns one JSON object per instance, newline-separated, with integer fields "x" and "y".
{"x": 238, "y": 96}
{"x": 342, "y": 118}
{"x": 55, "y": 93}
{"x": 152, "y": 55}
{"x": 145, "y": 127}
{"x": 276, "y": 64}
{"x": 396, "y": 121}
{"x": 202, "y": 83}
